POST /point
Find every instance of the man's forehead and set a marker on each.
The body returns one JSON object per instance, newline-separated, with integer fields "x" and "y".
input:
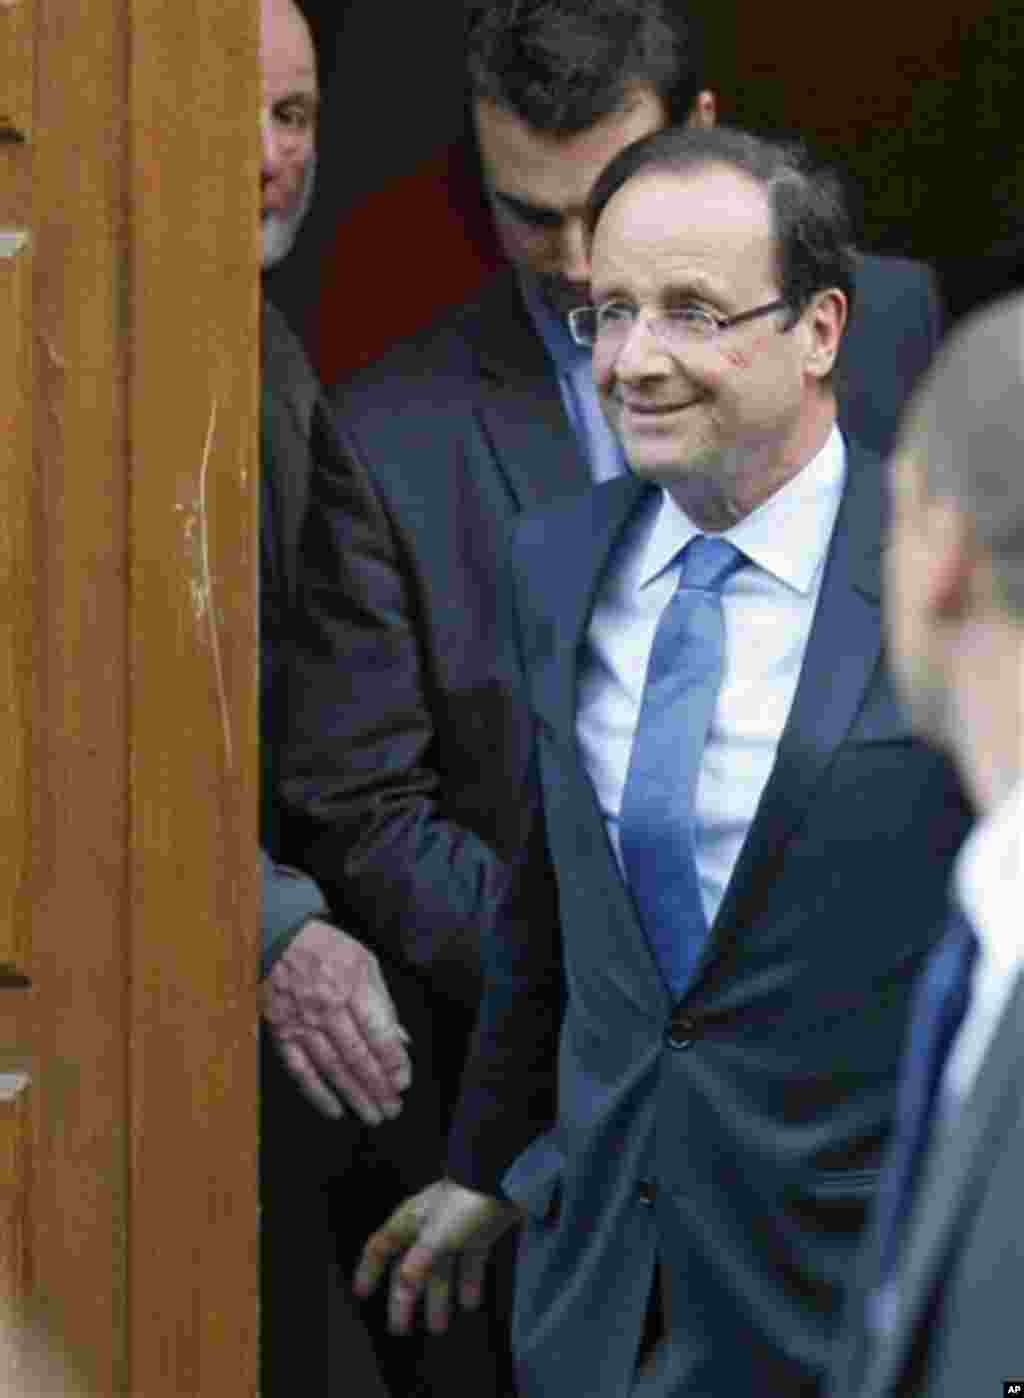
{"x": 556, "y": 172}
{"x": 712, "y": 195}
{"x": 286, "y": 44}
{"x": 701, "y": 219}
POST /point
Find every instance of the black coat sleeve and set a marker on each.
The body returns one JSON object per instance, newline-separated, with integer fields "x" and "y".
{"x": 508, "y": 1093}
{"x": 361, "y": 768}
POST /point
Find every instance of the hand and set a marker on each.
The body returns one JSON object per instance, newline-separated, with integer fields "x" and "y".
{"x": 443, "y": 1227}
{"x": 335, "y": 1025}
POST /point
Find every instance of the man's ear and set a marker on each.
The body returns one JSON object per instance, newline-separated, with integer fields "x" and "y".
{"x": 955, "y": 564}
{"x": 826, "y": 319}
{"x": 704, "y": 111}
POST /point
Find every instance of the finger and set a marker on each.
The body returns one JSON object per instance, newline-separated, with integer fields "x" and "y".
{"x": 349, "y": 1061}
{"x": 372, "y": 1099}
{"x": 403, "y": 1299}
{"x": 396, "y": 1235}
{"x": 473, "y": 1277}
{"x": 309, "y": 1081}
{"x": 423, "y": 1268}
{"x": 438, "y": 1302}
{"x": 385, "y": 1040}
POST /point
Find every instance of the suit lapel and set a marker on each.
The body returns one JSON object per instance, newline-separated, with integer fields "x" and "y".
{"x": 842, "y": 652}
{"x": 567, "y": 563}
{"x": 959, "y": 1163}
{"x": 520, "y": 402}
{"x": 570, "y": 552}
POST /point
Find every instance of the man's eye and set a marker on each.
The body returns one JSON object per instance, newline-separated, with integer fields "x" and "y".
{"x": 528, "y": 214}
{"x": 295, "y": 118}
{"x": 616, "y": 313}
{"x": 689, "y": 315}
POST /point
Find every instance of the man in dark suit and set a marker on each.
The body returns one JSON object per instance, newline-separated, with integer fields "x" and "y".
{"x": 696, "y": 989}
{"x": 409, "y": 796}
{"x": 331, "y": 1043}
{"x": 406, "y": 763}
{"x": 939, "y": 1309}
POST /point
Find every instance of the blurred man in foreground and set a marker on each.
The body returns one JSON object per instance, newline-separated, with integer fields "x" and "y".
{"x": 939, "y": 1311}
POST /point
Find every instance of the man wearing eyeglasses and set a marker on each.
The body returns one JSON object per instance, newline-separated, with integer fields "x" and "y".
{"x": 696, "y": 987}
{"x": 408, "y": 755}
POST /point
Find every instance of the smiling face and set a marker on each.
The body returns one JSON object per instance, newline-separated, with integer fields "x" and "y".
{"x": 538, "y": 186}
{"x": 745, "y": 410}
{"x": 287, "y": 125}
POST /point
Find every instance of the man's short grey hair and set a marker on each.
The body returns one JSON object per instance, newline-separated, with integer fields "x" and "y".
{"x": 965, "y": 426}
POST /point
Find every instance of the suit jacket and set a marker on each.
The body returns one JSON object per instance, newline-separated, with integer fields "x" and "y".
{"x": 293, "y": 429}
{"x": 957, "y": 1323}
{"x": 405, "y": 760}
{"x": 735, "y": 1135}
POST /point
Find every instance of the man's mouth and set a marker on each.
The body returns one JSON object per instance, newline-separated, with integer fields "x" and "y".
{"x": 654, "y": 411}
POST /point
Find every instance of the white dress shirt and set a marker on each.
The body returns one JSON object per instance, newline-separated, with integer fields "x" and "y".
{"x": 987, "y": 881}
{"x": 768, "y": 607}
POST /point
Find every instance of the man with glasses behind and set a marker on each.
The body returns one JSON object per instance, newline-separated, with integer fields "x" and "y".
{"x": 696, "y": 986}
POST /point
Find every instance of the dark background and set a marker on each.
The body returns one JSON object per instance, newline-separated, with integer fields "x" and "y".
{"x": 920, "y": 107}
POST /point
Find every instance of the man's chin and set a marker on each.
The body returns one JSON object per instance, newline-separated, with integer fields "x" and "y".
{"x": 277, "y": 235}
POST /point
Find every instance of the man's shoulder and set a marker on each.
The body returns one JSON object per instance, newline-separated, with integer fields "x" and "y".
{"x": 446, "y": 351}
{"x": 885, "y": 279}
{"x": 280, "y": 347}
{"x": 571, "y": 532}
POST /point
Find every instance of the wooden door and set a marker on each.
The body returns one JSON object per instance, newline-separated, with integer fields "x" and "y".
{"x": 128, "y": 875}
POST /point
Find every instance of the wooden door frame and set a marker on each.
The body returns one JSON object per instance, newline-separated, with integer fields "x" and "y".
{"x": 135, "y": 888}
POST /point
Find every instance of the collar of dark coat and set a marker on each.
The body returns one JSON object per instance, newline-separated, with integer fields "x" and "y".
{"x": 519, "y": 400}
{"x": 561, "y": 556}
{"x": 954, "y": 1176}
{"x": 563, "y": 551}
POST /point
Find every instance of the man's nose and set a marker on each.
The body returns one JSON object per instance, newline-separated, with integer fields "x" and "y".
{"x": 641, "y": 352}
{"x": 270, "y": 143}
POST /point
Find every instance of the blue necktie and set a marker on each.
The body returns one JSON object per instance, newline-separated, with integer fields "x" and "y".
{"x": 656, "y": 822}
{"x": 940, "y": 1003}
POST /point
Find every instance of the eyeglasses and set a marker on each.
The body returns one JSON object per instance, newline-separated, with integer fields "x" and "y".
{"x": 610, "y": 324}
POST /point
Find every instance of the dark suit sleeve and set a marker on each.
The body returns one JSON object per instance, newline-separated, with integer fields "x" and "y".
{"x": 508, "y": 1094}
{"x": 290, "y": 899}
{"x": 361, "y": 764}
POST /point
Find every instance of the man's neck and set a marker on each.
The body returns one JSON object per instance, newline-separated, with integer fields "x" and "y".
{"x": 731, "y": 490}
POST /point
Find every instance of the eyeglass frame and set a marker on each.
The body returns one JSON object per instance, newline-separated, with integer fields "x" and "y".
{"x": 719, "y": 323}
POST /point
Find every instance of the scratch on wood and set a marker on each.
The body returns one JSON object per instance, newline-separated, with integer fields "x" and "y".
{"x": 207, "y": 585}
{"x": 56, "y": 358}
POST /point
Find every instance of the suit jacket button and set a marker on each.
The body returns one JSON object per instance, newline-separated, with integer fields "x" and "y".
{"x": 646, "y": 1190}
{"x": 681, "y": 1031}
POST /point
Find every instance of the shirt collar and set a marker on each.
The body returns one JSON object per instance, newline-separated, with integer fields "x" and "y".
{"x": 987, "y": 881}
{"x": 553, "y": 329}
{"x": 787, "y": 536}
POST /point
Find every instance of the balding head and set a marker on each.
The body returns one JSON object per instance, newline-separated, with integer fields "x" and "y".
{"x": 965, "y": 430}
{"x": 954, "y": 596}
{"x": 287, "y": 124}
